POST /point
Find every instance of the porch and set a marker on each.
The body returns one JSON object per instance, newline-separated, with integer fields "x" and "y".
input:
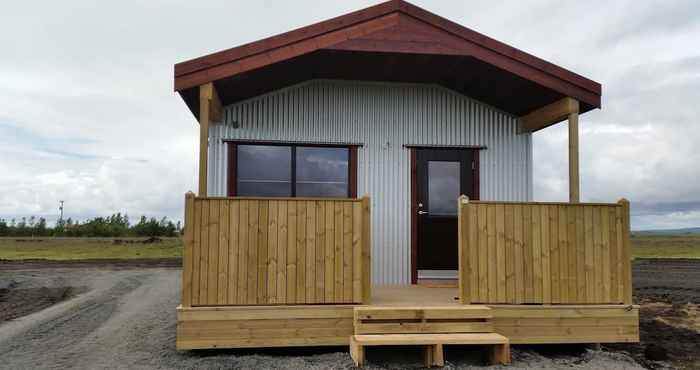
{"x": 271, "y": 272}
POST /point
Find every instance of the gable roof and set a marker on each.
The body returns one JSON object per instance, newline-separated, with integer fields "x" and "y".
{"x": 392, "y": 41}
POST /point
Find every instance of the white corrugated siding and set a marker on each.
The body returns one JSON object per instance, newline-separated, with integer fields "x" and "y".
{"x": 383, "y": 117}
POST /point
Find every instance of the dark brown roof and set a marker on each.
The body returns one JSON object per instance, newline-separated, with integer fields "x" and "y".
{"x": 392, "y": 41}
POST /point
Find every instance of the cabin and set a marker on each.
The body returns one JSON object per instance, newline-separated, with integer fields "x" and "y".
{"x": 368, "y": 181}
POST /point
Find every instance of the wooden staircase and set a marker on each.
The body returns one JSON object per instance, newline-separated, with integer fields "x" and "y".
{"x": 430, "y": 327}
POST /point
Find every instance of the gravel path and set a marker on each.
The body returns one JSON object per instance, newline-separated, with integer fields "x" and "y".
{"x": 125, "y": 319}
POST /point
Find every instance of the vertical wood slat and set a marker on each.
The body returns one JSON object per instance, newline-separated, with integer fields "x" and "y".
{"x": 187, "y": 253}
{"x": 248, "y": 251}
{"x": 561, "y": 253}
{"x": 196, "y": 252}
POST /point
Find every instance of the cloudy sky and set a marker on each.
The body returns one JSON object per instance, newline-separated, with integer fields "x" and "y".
{"x": 88, "y": 115}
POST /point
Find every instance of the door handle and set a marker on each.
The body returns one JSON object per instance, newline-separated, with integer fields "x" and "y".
{"x": 422, "y": 212}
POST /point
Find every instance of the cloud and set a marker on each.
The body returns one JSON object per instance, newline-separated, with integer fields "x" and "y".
{"x": 88, "y": 115}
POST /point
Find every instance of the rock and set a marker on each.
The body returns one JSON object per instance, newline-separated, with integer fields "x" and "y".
{"x": 655, "y": 352}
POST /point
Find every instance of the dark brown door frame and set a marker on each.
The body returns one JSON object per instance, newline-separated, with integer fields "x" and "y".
{"x": 414, "y": 200}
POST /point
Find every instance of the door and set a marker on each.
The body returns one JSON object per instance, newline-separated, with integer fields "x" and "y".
{"x": 441, "y": 176}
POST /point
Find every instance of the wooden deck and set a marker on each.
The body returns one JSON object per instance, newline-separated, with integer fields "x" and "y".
{"x": 329, "y": 325}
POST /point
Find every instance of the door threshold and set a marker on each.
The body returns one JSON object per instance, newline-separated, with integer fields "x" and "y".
{"x": 437, "y": 274}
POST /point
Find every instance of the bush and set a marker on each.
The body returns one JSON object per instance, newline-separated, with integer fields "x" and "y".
{"x": 116, "y": 225}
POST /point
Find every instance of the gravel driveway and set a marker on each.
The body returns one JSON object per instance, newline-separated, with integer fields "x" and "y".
{"x": 120, "y": 318}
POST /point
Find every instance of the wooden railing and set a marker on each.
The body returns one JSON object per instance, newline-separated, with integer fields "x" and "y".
{"x": 544, "y": 253}
{"x": 255, "y": 251}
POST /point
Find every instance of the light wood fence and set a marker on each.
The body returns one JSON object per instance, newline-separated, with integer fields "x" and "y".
{"x": 259, "y": 251}
{"x": 544, "y": 253}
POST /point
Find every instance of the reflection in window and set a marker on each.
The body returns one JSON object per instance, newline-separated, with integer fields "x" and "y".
{"x": 322, "y": 172}
{"x": 443, "y": 187}
{"x": 264, "y": 171}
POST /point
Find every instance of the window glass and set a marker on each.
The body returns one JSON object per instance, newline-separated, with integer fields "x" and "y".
{"x": 322, "y": 172}
{"x": 443, "y": 187}
{"x": 264, "y": 170}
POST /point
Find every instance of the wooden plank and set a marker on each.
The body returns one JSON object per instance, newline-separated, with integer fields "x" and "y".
{"x": 536, "y": 254}
{"x": 346, "y": 248}
{"x": 572, "y": 252}
{"x": 421, "y": 327}
{"x": 554, "y": 252}
{"x": 292, "y": 252}
{"x": 492, "y": 278}
{"x": 528, "y": 296}
{"x": 204, "y": 256}
{"x": 483, "y": 255}
{"x": 615, "y": 294}
{"x": 341, "y": 283}
{"x": 253, "y": 236}
{"x": 590, "y": 256}
{"x": 500, "y": 254}
{"x": 366, "y": 250}
{"x": 264, "y": 218}
{"x": 213, "y": 262}
{"x": 473, "y": 248}
{"x": 424, "y": 339}
{"x": 320, "y": 251}
{"x": 549, "y": 114}
{"x": 605, "y": 255}
{"x": 233, "y": 250}
{"x": 282, "y": 250}
{"x": 518, "y": 242}
{"x": 188, "y": 250}
{"x": 196, "y": 253}
{"x": 271, "y": 261}
{"x": 563, "y": 255}
{"x": 626, "y": 276}
{"x": 223, "y": 257}
{"x": 310, "y": 252}
{"x": 546, "y": 270}
{"x": 597, "y": 257}
{"x": 580, "y": 255}
{"x": 301, "y": 252}
{"x": 356, "y": 257}
{"x": 330, "y": 255}
{"x": 243, "y": 252}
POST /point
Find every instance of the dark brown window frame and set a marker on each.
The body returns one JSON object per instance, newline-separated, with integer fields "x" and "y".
{"x": 232, "y": 168}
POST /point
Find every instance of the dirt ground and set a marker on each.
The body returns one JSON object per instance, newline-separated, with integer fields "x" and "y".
{"x": 108, "y": 314}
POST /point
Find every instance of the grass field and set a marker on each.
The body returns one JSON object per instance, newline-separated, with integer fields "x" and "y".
{"x": 87, "y": 248}
{"x": 666, "y": 246}
{"x": 643, "y": 246}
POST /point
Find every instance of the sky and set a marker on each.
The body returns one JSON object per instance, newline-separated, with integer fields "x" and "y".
{"x": 88, "y": 114}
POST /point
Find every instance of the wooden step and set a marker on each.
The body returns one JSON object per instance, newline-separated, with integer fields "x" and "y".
{"x": 407, "y": 320}
{"x": 433, "y": 352}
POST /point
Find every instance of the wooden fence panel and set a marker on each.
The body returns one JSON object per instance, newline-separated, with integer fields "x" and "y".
{"x": 544, "y": 253}
{"x": 259, "y": 251}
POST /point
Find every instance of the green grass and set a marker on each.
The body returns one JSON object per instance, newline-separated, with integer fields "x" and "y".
{"x": 643, "y": 246}
{"x": 86, "y": 248}
{"x": 666, "y": 246}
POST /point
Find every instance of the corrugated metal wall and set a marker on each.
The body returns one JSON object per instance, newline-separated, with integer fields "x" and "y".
{"x": 383, "y": 117}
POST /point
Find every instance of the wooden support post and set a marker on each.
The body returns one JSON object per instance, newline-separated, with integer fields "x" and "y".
{"x": 464, "y": 272}
{"x": 574, "y": 196}
{"x": 500, "y": 354}
{"x": 209, "y": 111}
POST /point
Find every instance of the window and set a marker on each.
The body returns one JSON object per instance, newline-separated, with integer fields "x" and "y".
{"x": 281, "y": 170}
{"x": 264, "y": 171}
{"x": 443, "y": 187}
